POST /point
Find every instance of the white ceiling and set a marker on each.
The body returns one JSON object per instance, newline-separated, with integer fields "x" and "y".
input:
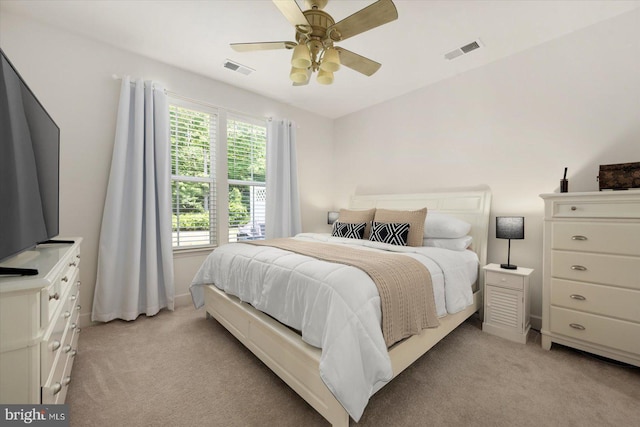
{"x": 195, "y": 35}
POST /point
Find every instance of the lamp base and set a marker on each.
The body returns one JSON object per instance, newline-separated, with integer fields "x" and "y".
{"x": 509, "y": 266}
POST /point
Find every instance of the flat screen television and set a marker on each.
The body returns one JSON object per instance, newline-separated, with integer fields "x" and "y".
{"x": 29, "y": 166}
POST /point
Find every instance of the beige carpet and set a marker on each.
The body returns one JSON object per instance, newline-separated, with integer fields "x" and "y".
{"x": 179, "y": 369}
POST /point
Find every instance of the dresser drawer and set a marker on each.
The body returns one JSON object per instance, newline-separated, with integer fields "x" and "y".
{"x": 614, "y": 270}
{"x": 597, "y": 299}
{"x": 505, "y": 280}
{"x": 620, "y": 238}
{"x": 597, "y": 209}
{"x": 613, "y": 333}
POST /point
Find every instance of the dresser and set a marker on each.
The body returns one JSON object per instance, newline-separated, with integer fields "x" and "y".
{"x": 591, "y": 273}
{"x": 506, "y": 302}
{"x": 39, "y": 324}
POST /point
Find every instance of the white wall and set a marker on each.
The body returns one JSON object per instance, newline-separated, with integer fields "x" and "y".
{"x": 71, "y": 76}
{"x": 513, "y": 124}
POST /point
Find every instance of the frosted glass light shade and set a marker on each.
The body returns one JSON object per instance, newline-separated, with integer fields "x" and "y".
{"x": 330, "y": 60}
{"x": 298, "y": 75}
{"x": 301, "y": 57}
{"x": 325, "y": 77}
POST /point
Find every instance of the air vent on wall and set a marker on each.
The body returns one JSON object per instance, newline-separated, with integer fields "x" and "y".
{"x": 469, "y": 47}
{"x": 234, "y": 66}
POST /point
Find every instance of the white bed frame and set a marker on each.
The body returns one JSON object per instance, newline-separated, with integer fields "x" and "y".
{"x": 296, "y": 362}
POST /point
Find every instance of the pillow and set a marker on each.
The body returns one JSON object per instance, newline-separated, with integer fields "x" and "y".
{"x": 390, "y": 232}
{"x": 357, "y": 217}
{"x": 459, "y": 244}
{"x": 442, "y": 226}
{"x": 415, "y": 219}
{"x": 349, "y": 231}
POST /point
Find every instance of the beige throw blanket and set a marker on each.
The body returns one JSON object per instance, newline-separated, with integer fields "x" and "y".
{"x": 404, "y": 284}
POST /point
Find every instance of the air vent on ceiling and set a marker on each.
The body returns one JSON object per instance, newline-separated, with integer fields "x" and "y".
{"x": 234, "y": 66}
{"x": 469, "y": 47}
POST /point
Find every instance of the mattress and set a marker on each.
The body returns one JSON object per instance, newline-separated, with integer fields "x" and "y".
{"x": 335, "y": 307}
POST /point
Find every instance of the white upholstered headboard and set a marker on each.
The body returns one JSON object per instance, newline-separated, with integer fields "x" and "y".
{"x": 469, "y": 204}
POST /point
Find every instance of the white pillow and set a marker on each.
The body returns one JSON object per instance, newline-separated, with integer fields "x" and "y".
{"x": 442, "y": 226}
{"x": 459, "y": 244}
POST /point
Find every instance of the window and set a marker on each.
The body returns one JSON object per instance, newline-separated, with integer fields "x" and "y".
{"x": 246, "y": 161}
{"x": 195, "y": 188}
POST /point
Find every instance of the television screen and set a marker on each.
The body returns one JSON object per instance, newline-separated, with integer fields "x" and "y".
{"x": 29, "y": 166}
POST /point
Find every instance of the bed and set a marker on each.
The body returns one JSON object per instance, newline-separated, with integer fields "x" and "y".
{"x": 299, "y": 364}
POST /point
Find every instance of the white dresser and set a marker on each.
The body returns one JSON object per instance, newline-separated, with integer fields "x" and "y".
{"x": 39, "y": 325}
{"x": 591, "y": 273}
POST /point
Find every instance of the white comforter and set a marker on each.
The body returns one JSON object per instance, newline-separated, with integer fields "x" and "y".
{"x": 335, "y": 307}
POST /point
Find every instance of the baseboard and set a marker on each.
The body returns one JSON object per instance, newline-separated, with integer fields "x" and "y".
{"x": 536, "y": 322}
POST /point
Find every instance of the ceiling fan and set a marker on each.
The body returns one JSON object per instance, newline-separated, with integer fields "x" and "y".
{"x": 316, "y": 33}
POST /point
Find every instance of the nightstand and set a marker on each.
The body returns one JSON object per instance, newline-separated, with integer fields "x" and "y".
{"x": 506, "y": 302}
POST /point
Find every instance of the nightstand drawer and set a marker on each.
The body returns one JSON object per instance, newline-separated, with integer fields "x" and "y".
{"x": 619, "y": 238}
{"x": 605, "y": 300}
{"x": 614, "y": 333}
{"x": 505, "y": 280}
{"x": 615, "y": 270}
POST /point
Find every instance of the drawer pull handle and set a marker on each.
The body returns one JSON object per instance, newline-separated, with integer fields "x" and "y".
{"x": 578, "y": 297}
{"x": 55, "y": 296}
{"x": 78, "y": 283}
{"x": 73, "y": 326}
{"x": 67, "y": 314}
{"x": 578, "y": 268}
{"x": 573, "y": 208}
{"x": 73, "y": 297}
{"x": 55, "y": 345}
{"x": 73, "y": 353}
{"x": 78, "y": 330}
{"x": 78, "y": 256}
{"x": 578, "y": 238}
{"x": 577, "y": 326}
{"x": 56, "y": 388}
{"x": 66, "y": 380}
{"x": 65, "y": 279}
{"x": 78, "y": 307}
{"x": 72, "y": 264}
{"x": 66, "y": 348}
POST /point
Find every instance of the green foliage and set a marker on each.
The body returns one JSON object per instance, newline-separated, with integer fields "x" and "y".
{"x": 238, "y": 212}
{"x": 191, "y": 222}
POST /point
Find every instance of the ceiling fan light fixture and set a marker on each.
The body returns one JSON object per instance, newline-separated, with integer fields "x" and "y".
{"x": 299, "y": 75}
{"x": 330, "y": 60}
{"x": 325, "y": 77}
{"x": 301, "y": 57}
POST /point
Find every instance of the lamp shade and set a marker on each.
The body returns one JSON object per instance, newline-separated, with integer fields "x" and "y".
{"x": 301, "y": 57}
{"x": 325, "y": 77}
{"x": 510, "y": 227}
{"x": 332, "y": 217}
{"x": 330, "y": 60}
{"x": 298, "y": 75}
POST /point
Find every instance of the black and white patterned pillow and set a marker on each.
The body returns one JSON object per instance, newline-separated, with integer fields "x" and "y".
{"x": 350, "y": 231}
{"x": 390, "y": 232}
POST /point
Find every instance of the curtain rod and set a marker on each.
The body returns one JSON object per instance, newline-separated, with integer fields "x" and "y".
{"x": 200, "y": 102}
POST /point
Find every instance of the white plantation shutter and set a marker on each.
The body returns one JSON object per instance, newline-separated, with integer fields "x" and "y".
{"x": 246, "y": 164}
{"x": 193, "y": 148}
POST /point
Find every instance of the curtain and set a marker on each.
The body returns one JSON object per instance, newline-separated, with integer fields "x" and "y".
{"x": 135, "y": 258}
{"x": 283, "y": 199}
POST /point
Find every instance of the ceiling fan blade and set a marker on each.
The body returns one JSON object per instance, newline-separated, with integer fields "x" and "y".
{"x": 379, "y": 13}
{"x": 358, "y": 63}
{"x": 250, "y": 47}
{"x": 291, "y": 11}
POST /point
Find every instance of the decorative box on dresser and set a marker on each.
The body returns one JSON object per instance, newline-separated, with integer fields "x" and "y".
{"x": 591, "y": 273}
{"x": 39, "y": 324}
